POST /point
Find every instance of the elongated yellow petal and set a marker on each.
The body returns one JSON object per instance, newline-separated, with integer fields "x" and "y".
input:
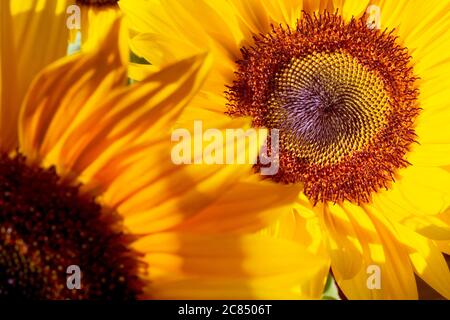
{"x": 430, "y": 155}
{"x": 184, "y": 265}
{"x": 427, "y": 260}
{"x": 444, "y": 246}
{"x": 131, "y": 120}
{"x": 425, "y": 255}
{"x": 25, "y": 26}
{"x": 162, "y": 194}
{"x": 343, "y": 245}
{"x": 351, "y": 8}
{"x": 95, "y": 24}
{"x": 431, "y": 129}
{"x": 404, "y": 213}
{"x": 421, "y": 26}
{"x": 66, "y": 93}
{"x": 263, "y": 203}
{"x": 303, "y": 226}
{"x": 383, "y": 258}
{"x": 162, "y": 40}
{"x": 426, "y": 188}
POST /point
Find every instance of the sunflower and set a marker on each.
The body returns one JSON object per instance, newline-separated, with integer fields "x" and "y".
{"x": 359, "y": 93}
{"x": 86, "y": 184}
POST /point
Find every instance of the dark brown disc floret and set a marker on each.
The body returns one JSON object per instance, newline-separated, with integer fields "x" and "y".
{"x": 47, "y": 226}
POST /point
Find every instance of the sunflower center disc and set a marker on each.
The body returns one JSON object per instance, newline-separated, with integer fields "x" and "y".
{"x": 47, "y": 226}
{"x": 329, "y": 105}
{"x": 343, "y": 97}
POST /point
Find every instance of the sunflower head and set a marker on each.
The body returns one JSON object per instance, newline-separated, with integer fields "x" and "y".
{"x": 344, "y": 98}
{"x": 43, "y": 232}
{"x": 343, "y": 94}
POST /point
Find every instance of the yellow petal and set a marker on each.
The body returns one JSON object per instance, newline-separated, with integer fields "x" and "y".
{"x": 351, "y": 8}
{"x": 316, "y": 6}
{"x": 394, "y": 205}
{"x": 201, "y": 288}
{"x": 426, "y": 188}
{"x": 263, "y": 203}
{"x": 254, "y": 16}
{"x": 64, "y": 95}
{"x": 430, "y": 155}
{"x": 343, "y": 245}
{"x": 405, "y": 16}
{"x": 162, "y": 195}
{"x": 382, "y": 251}
{"x": 424, "y": 29}
{"x": 433, "y": 128}
{"x": 444, "y": 246}
{"x": 165, "y": 194}
{"x": 302, "y": 225}
{"x": 96, "y": 23}
{"x": 139, "y": 72}
{"x": 208, "y": 23}
{"x": 184, "y": 265}
{"x": 427, "y": 260}
{"x": 133, "y": 118}
{"x": 158, "y": 49}
{"x": 24, "y": 29}
{"x": 162, "y": 39}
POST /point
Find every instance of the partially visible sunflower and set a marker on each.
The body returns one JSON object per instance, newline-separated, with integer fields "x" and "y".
{"x": 84, "y": 171}
{"x": 363, "y": 117}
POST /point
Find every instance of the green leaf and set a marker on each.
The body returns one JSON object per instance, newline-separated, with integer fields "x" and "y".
{"x": 331, "y": 291}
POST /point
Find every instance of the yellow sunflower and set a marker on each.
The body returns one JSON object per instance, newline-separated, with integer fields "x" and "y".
{"x": 82, "y": 188}
{"x": 359, "y": 92}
